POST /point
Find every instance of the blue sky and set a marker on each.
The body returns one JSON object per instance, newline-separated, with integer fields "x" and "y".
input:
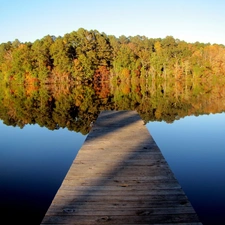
{"x": 189, "y": 20}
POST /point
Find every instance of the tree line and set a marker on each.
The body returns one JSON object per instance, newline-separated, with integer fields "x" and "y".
{"x": 84, "y": 55}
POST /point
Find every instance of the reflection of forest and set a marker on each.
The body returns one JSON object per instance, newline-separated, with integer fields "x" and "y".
{"x": 76, "y": 106}
{"x": 65, "y": 81}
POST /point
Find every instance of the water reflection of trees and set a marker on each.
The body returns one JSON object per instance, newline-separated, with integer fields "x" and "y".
{"x": 76, "y": 106}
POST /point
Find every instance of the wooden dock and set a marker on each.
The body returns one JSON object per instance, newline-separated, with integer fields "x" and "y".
{"x": 120, "y": 176}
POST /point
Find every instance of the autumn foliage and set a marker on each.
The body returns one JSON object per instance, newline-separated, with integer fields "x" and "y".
{"x": 89, "y": 55}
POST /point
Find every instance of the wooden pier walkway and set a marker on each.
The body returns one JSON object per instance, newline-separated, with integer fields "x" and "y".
{"x": 119, "y": 176}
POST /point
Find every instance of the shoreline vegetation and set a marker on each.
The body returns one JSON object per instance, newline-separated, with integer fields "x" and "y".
{"x": 66, "y": 81}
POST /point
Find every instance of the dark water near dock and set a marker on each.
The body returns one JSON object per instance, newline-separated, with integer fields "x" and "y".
{"x": 194, "y": 147}
{"x": 33, "y": 163}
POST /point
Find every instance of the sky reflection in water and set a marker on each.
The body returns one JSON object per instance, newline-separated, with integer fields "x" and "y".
{"x": 194, "y": 147}
{"x": 33, "y": 163}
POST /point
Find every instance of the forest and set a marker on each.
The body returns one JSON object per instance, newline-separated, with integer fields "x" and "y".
{"x": 90, "y": 55}
{"x": 66, "y": 81}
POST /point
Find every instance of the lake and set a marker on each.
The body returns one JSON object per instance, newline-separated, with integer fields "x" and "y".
{"x": 35, "y": 159}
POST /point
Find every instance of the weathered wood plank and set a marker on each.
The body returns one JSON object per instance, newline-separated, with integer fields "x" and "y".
{"x": 126, "y": 212}
{"x": 152, "y": 186}
{"x": 111, "y": 219}
{"x": 120, "y": 177}
{"x": 137, "y": 223}
{"x": 185, "y": 223}
{"x": 93, "y": 198}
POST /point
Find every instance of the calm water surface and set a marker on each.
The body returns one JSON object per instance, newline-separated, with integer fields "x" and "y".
{"x": 34, "y": 161}
{"x": 194, "y": 147}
